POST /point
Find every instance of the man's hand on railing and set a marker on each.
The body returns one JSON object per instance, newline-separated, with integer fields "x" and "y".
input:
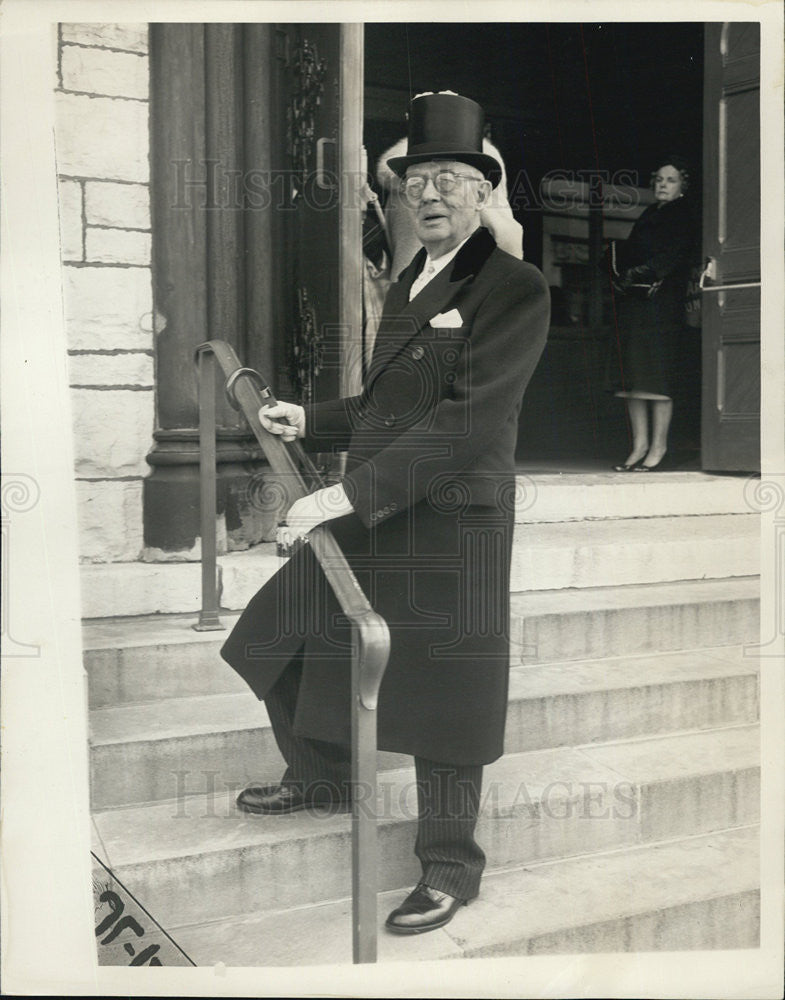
{"x": 307, "y": 512}
{"x": 286, "y": 419}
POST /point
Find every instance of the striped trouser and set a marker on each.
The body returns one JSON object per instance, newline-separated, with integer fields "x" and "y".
{"x": 448, "y": 795}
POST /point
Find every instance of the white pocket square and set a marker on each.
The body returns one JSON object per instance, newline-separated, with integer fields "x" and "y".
{"x": 451, "y": 318}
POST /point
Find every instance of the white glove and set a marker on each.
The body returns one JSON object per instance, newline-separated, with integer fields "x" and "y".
{"x": 316, "y": 508}
{"x": 286, "y": 419}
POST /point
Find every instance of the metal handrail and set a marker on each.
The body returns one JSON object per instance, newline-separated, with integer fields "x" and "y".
{"x": 247, "y": 391}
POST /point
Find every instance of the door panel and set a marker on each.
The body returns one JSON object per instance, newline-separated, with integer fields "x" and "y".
{"x": 741, "y": 203}
{"x": 741, "y": 352}
{"x": 730, "y": 423}
{"x": 322, "y": 108}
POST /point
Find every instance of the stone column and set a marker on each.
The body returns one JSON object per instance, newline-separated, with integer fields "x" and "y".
{"x": 211, "y": 266}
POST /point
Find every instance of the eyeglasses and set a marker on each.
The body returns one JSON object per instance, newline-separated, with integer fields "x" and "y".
{"x": 412, "y": 188}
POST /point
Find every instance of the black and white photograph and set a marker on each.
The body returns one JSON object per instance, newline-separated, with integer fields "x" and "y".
{"x": 393, "y": 499}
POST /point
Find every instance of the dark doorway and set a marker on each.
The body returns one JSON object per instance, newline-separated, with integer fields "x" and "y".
{"x": 580, "y": 99}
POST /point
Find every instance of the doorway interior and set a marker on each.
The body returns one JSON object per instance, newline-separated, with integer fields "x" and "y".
{"x": 572, "y": 100}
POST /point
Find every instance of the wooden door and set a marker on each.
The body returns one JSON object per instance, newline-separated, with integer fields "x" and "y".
{"x": 320, "y": 109}
{"x": 730, "y": 424}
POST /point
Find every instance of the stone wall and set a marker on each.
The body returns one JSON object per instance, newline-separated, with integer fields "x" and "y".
{"x": 103, "y": 146}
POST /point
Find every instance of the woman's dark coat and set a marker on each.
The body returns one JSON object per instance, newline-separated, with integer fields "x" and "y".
{"x": 431, "y": 444}
{"x": 649, "y": 331}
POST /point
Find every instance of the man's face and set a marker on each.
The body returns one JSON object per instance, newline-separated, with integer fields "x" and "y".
{"x": 444, "y": 219}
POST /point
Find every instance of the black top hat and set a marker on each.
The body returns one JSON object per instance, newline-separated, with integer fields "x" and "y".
{"x": 446, "y": 127}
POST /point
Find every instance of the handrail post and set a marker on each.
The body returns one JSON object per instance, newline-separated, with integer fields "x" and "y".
{"x": 246, "y": 391}
{"x": 208, "y": 614}
{"x": 364, "y": 837}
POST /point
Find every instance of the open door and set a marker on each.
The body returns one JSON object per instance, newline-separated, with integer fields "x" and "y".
{"x": 320, "y": 105}
{"x": 730, "y": 423}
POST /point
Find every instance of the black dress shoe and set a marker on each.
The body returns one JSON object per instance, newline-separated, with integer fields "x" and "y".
{"x": 277, "y": 800}
{"x": 424, "y": 909}
{"x": 623, "y": 467}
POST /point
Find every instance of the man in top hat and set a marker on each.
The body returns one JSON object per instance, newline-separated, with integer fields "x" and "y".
{"x": 496, "y": 215}
{"x": 425, "y": 518}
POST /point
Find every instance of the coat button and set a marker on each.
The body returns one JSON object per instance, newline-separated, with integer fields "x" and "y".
{"x": 418, "y": 352}
{"x": 389, "y": 421}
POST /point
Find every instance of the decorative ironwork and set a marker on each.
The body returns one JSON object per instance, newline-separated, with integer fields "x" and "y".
{"x": 310, "y": 72}
{"x": 307, "y": 348}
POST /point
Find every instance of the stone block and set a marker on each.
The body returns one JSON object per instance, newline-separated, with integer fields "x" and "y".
{"x": 123, "y": 206}
{"x": 110, "y": 520}
{"x": 117, "y": 246}
{"x": 243, "y": 573}
{"x": 100, "y": 71}
{"x": 634, "y": 551}
{"x": 128, "y": 37}
{"x": 70, "y": 195}
{"x": 621, "y": 621}
{"x": 139, "y": 589}
{"x": 609, "y": 495}
{"x": 137, "y": 752}
{"x": 108, "y": 307}
{"x": 118, "y": 675}
{"x": 110, "y": 370}
{"x": 102, "y": 137}
{"x": 112, "y": 432}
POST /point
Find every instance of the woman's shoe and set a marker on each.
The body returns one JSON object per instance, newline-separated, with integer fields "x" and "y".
{"x": 628, "y": 468}
{"x": 663, "y": 464}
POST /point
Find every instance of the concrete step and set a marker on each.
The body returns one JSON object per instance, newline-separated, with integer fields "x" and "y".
{"x": 634, "y": 551}
{"x": 151, "y": 657}
{"x": 552, "y": 497}
{"x": 613, "y": 621}
{"x": 198, "y": 858}
{"x": 141, "y": 588}
{"x": 696, "y": 893}
{"x": 590, "y": 553}
{"x": 180, "y": 746}
{"x": 597, "y": 533}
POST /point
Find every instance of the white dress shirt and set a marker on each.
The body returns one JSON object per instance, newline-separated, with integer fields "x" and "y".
{"x": 432, "y": 267}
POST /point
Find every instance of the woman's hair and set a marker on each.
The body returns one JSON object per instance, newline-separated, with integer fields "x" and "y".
{"x": 677, "y": 161}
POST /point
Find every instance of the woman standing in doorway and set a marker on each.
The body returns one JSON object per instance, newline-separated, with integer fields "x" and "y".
{"x": 649, "y": 274}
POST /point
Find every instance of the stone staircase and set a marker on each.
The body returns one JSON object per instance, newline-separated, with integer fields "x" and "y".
{"x": 623, "y": 815}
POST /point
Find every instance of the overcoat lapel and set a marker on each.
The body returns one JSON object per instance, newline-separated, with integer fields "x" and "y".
{"x": 396, "y": 330}
{"x": 403, "y": 320}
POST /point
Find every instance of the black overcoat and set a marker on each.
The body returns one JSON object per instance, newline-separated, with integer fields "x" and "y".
{"x": 649, "y": 332}
{"x": 430, "y": 473}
